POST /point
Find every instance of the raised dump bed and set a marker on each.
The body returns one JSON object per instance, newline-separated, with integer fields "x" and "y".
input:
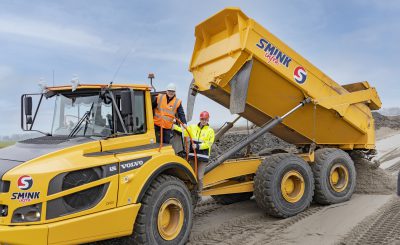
{"x": 239, "y": 64}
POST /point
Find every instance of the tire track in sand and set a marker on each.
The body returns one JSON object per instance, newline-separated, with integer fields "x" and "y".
{"x": 382, "y": 227}
{"x": 242, "y": 223}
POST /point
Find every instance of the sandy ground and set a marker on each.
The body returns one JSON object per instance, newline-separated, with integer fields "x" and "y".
{"x": 389, "y": 153}
{"x": 244, "y": 223}
{"x": 357, "y": 221}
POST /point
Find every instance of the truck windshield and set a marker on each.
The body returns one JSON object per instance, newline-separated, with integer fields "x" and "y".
{"x": 81, "y": 116}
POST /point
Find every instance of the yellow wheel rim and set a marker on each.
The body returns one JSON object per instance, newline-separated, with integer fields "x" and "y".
{"x": 339, "y": 177}
{"x": 292, "y": 186}
{"x": 170, "y": 219}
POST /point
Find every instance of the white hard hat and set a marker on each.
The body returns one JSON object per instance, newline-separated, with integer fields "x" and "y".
{"x": 171, "y": 87}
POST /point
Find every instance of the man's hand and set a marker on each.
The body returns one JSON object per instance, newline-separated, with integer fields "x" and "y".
{"x": 194, "y": 146}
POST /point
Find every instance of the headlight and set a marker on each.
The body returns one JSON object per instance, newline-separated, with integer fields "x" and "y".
{"x": 30, "y": 213}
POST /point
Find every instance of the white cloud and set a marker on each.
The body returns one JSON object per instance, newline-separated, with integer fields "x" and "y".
{"x": 164, "y": 56}
{"x": 5, "y": 72}
{"x": 52, "y": 32}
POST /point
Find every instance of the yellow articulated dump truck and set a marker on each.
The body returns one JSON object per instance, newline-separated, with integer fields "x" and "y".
{"x": 243, "y": 67}
{"x": 100, "y": 173}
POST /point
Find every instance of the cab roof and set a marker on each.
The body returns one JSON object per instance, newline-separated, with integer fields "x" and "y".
{"x": 100, "y": 86}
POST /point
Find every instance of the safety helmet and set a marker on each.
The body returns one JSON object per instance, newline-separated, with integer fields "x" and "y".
{"x": 171, "y": 87}
{"x": 204, "y": 115}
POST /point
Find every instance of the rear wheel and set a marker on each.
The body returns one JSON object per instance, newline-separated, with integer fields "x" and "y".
{"x": 283, "y": 185}
{"x": 166, "y": 215}
{"x": 232, "y": 198}
{"x": 335, "y": 176}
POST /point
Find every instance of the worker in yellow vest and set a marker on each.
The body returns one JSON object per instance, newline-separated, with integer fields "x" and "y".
{"x": 203, "y": 138}
{"x": 165, "y": 107}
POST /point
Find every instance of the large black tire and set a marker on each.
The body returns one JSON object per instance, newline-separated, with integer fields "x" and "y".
{"x": 327, "y": 160}
{"x": 232, "y": 198}
{"x": 163, "y": 188}
{"x": 268, "y": 185}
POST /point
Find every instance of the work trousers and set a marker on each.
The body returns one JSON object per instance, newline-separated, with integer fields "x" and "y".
{"x": 201, "y": 167}
{"x": 166, "y": 134}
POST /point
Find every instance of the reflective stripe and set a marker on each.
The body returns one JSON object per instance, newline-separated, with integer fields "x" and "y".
{"x": 174, "y": 106}
{"x": 199, "y": 155}
{"x": 167, "y": 111}
{"x": 167, "y": 118}
{"x": 161, "y": 97}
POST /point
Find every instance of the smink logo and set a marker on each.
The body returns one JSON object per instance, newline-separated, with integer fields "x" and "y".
{"x": 25, "y": 196}
{"x": 300, "y": 75}
{"x": 25, "y": 182}
{"x": 273, "y": 54}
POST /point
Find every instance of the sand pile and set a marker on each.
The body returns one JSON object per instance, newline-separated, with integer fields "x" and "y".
{"x": 392, "y": 122}
{"x": 373, "y": 180}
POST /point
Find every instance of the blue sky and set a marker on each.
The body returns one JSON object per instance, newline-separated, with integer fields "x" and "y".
{"x": 350, "y": 41}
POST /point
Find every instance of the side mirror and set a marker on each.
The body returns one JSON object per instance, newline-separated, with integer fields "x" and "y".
{"x": 28, "y": 106}
{"x": 127, "y": 102}
{"x": 28, "y": 110}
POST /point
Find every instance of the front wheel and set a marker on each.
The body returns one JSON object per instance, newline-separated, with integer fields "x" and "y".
{"x": 166, "y": 215}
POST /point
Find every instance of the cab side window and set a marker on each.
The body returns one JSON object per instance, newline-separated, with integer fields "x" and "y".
{"x": 139, "y": 113}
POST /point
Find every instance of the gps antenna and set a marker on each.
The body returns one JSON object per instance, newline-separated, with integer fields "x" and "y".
{"x": 120, "y": 65}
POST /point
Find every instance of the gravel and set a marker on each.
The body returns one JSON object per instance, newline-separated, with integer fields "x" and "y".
{"x": 392, "y": 122}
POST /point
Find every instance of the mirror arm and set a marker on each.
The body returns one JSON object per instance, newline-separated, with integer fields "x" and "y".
{"x": 118, "y": 112}
{"x": 36, "y": 112}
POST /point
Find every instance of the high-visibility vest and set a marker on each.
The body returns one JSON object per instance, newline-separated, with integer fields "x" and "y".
{"x": 203, "y": 137}
{"x": 164, "y": 113}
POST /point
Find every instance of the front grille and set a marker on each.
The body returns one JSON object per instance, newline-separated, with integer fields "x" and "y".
{"x": 4, "y": 186}
{"x": 76, "y": 202}
{"x": 3, "y": 210}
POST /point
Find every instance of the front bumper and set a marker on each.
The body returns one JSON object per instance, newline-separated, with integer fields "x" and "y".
{"x": 94, "y": 227}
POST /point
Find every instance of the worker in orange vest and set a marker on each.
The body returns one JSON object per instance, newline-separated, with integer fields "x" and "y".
{"x": 165, "y": 107}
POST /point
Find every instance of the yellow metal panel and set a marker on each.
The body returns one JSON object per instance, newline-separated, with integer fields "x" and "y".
{"x": 132, "y": 182}
{"x": 23, "y": 235}
{"x": 230, "y": 188}
{"x": 231, "y": 169}
{"x": 103, "y": 225}
{"x": 273, "y": 89}
{"x": 352, "y": 87}
{"x": 333, "y": 102}
{"x": 46, "y": 167}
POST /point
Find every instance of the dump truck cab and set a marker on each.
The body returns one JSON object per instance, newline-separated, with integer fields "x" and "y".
{"x": 96, "y": 174}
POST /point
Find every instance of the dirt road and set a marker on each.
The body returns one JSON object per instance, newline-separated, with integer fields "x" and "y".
{"x": 244, "y": 223}
{"x": 372, "y": 216}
